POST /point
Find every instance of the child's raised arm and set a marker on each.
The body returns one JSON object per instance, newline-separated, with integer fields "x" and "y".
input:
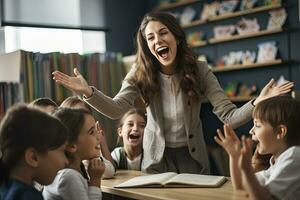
{"x": 231, "y": 143}
{"x": 103, "y": 144}
{"x": 250, "y": 183}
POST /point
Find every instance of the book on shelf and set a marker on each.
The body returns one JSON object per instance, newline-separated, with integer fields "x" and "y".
{"x": 172, "y": 179}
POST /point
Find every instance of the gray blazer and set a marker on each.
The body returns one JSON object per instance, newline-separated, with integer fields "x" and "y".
{"x": 154, "y": 141}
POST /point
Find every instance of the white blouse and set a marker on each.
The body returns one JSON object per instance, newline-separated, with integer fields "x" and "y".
{"x": 172, "y": 104}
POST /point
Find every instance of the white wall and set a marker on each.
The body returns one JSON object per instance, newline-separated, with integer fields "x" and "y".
{"x": 55, "y": 12}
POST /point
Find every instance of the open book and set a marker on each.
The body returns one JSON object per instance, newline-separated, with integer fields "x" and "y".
{"x": 171, "y": 179}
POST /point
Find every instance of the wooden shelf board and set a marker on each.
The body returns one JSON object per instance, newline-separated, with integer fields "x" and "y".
{"x": 249, "y": 35}
{"x": 245, "y": 12}
{"x": 176, "y": 4}
{"x": 247, "y": 66}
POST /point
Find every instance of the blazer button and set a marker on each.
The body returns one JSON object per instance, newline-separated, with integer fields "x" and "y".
{"x": 191, "y": 136}
{"x": 193, "y": 150}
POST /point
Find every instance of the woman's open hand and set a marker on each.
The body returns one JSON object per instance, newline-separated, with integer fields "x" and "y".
{"x": 75, "y": 83}
{"x": 272, "y": 90}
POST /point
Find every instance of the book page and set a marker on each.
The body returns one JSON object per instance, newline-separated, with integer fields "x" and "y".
{"x": 197, "y": 180}
{"x": 10, "y": 67}
{"x": 147, "y": 180}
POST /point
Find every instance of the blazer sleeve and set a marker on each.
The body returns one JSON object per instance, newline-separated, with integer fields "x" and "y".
{"x": 226, "y": 111}
{"x": 115, "y": 107}
{"x": 109, "y": 171}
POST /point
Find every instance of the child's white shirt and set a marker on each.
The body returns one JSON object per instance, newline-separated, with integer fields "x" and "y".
{"x": 282, "y": 178}
{"x": 131, "y": 164}
{"x": 69, "y": 184}
{"x": 109, "y": 171}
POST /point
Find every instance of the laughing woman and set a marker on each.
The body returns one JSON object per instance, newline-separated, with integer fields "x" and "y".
{"x": 173, "y": 85}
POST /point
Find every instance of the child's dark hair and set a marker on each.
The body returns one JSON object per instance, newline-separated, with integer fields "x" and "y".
{"x": 281, "y": 110}
{"x": 74, "y": 120}
{"x": 23, "y": 127}
{"x": 132, "y": 111}
{"x": 44, "y": 101}
{"x": 72, "y": 101}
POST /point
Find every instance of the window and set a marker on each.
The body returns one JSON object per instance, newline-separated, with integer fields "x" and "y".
{"x": 53, "y": 40}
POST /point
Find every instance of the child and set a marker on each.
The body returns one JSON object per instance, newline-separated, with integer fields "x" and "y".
{"x": 131, "y": 130}
{"x": 32, "y": 149}
{"x": 83, "y": 144}
{"x": 276, "y": 129}
{"x": 44, "y": 104}
{"x": 76, "y": 102}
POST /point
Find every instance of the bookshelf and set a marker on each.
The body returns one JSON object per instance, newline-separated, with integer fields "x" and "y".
{"x": 26, "y": 76}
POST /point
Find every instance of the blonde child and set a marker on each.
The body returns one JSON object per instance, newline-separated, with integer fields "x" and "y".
{"x": 32, "y": 149}
{"x": 76, "y": 102}
{"x": 72, "y": 182}
{"x": 44, "y": 104}
{"x": 131, "y": 130}
{"x": 276, "y": 129}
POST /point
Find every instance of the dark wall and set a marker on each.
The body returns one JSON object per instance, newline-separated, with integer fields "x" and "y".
{"x": 122, "y": 19}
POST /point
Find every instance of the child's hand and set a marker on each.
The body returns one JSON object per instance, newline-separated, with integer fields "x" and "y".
{"x": 100, "y": 131}
{"x": 260, "y": 162}
{"x": 246, "y": 155}
{"x": 229, "y": 141}
{"x": 95, "y": 169}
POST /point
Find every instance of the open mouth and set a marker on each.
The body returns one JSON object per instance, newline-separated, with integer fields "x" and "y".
{"x": 133, "y": 137}
{"x": 163, "y": 52}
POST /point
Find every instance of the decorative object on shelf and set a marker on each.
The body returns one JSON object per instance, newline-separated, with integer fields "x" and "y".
{"x": 237, "y": 57}
{"x": 223, "y": 31}
{"x": 195, "y": 38}
{"x": 247, "y": 4}
{"x": 210, "y": 10}
{"x": 246, "y": 26}
{"x": 277, "y": 19}
{"x": 233, "y": 58}
{"x": 243, "y": 90}
{"x": 240, "y": 89}
{"x": 187, "y": 15}
{"x": 230, "y": 89}
{"x": 267, "y": 52}
{"x": 228, "y": 6}
{"x": 272, "y": 2}
{"x": 248, "y": 57}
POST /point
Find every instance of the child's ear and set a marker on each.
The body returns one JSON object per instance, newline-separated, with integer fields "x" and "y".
{"x": 119, "y": 130}
{"x": 31, "y": 157}
{"x": 282, "y": 130}
{"x": 71, "y": 147}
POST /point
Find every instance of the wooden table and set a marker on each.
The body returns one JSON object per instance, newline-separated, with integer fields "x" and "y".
{"x": 223, "y": 192}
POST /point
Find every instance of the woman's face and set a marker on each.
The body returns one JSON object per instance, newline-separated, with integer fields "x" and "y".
{"x": 162, "y": 43}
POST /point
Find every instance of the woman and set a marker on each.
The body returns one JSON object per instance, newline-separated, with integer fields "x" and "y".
{"x": 173, "y": 85}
